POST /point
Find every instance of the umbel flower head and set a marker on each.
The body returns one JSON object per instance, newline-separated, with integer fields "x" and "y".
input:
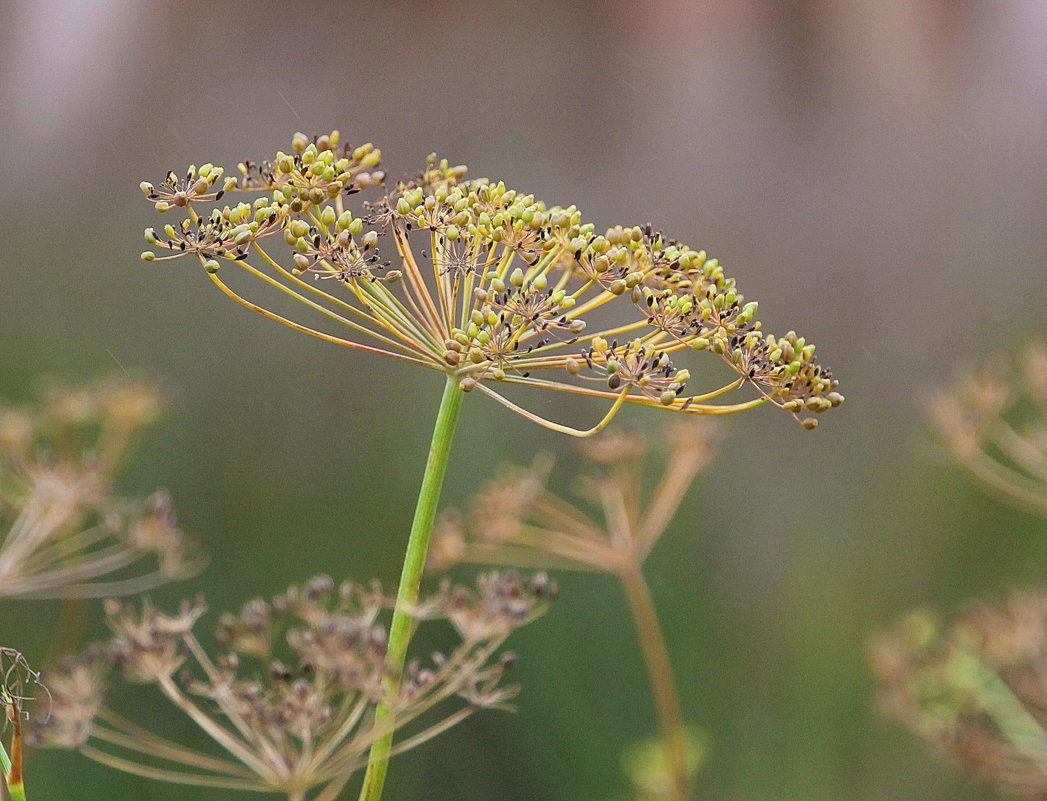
{"x": 995, "y": 425}
{"x": 289, "y": 692}
{"x": 63, "y": 530}
{"x": 482, "y": 282}
{"x": 515, "y": 520}
{"x": 975, "y": 690}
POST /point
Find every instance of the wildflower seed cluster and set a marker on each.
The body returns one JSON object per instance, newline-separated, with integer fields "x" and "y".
{"x": 482, "y": 282}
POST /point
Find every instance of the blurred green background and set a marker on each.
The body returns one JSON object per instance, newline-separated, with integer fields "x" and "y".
{"x": 872, "y": 171}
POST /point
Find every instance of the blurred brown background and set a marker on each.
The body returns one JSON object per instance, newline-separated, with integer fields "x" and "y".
{"x": 874, "y": 172}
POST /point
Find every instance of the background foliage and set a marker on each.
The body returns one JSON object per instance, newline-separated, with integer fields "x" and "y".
{"x": 872, "y": 171}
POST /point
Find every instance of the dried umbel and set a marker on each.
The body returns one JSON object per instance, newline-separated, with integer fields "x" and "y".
{"x": 290, "y": 690}
{"x": 995, "y": 425}
{"x": 483, "y": 283}
{"x": 975, "y": 690}
{"x": 63, "y": 530}
{"x": 515, "y": 520}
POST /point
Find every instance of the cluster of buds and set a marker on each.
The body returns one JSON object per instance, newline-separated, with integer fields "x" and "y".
{"x": 289, "y": 693}
{"x": 63, "y": 530}
{"x": 488, "y": 284}
{"x": 974, "y": 690}
{"x": 995, "y": 425}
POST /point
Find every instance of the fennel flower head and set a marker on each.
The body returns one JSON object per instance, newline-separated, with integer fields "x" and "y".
{"x": 481, "y": 282}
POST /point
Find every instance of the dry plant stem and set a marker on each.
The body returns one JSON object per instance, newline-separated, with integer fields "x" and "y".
{"x": 660, "y": 673}
{"x": 411, "y": 577}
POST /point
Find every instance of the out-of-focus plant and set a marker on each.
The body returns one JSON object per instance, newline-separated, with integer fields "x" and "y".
{"x": 290, "y": 690}
{"x": 489, "y": 287}
{"x": 64, "y": 532}
{"x": 995, "y": 425}
{"x": 517, "y": 521}
{"x": 975, "y": 690}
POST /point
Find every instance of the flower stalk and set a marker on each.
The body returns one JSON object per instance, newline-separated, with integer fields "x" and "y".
{"x": 516, "y": 521}
{"x": 660, "y": 674}
{"x": 411, "y": 578}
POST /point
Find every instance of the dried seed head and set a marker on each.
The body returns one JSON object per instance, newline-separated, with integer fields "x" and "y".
{"x": 514, "y": 519}
{"x": 994, "y": 424}
{"x": 75, "y": 536}
{"x": 65, "y": 714}
{"x": 301, "y": 672}
{"x": 975, "y": 690}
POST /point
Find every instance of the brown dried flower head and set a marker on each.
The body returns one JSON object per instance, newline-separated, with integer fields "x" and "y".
{"x": 515, "y": 520}
{"x": 290, "y": 690}
{"x": 63, "y": 530}
{"x": 974, "y": 690}
{"x": 994, "y": 424}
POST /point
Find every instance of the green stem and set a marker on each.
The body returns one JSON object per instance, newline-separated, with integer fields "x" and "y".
{"x": 411, "y": 578}
{"x": 663, "y": 685}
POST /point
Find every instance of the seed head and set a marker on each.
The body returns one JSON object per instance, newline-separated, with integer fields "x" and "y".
{"x": 487, "y": 284}
{"x": 514, "y": 520}
{"x": 63, "y": 530}
{"x": 290, "y": 691}
{"x": 974, "y": 690}
{"x": 994, "y": 423}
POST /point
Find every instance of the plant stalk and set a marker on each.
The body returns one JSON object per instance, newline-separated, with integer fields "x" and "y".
{"x": 660, "y": 673}
{"x": 411, "y": 578}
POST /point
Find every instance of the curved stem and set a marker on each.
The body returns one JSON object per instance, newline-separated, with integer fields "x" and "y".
{"x": 410, "y": 579}
{"x": 660, "y": 673}
{"x": 574, "y": 432}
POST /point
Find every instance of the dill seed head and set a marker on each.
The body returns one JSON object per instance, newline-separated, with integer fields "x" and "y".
{"x": 515, "y": 520}
{"x": 63, "y": 530}
{"x": 290, "y": 688}
{"x": 75, "y": 690}
{"x": 994, "y": 423}
{"x": 974, "y": 690}
{"x": 483, "y": 282}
